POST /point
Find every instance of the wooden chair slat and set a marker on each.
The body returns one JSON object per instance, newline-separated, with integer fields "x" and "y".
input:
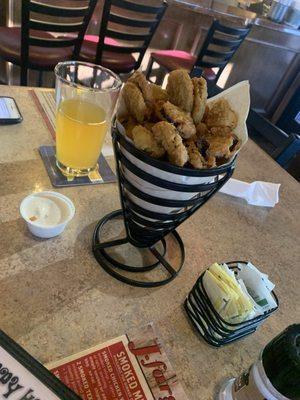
{"x": 57, "y": 11}
{"x": 54, "y": 27}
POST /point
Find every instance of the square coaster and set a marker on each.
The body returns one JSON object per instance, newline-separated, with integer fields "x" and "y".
{"x": 103, "y": 175}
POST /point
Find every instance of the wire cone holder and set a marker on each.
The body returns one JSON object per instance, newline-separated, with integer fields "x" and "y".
{"x": 156, "y": 197}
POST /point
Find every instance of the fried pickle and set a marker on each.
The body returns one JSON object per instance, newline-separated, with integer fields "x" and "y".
{"x": 182, "y": 120}
{"x": 220, "y": 114}
{"x": 148, "y": 125}
{"x": 135, "y": 102}
{"x": 139, "y": 79}
{"x": 218, "y": 142}
{"x": 195, "y": 157}
{"x": 158, "y": 111}
{"x": 166, "y": 134}
{"x": 200, "y": 97}
{"x": 211, "y": 161}
{"x": 178, "y": 123}
{"x": 206, "y": 111}
{"x": 158, "y": 93}
{"x": 220, "y": 131}
{"x": 202, "y": 130}
{"x": 236, "y": 146}
{"x": 129, "y": 124}
{"x": 219, "y": 145}
{"x": 180, "y": 89}
{"x": 144, "y": 140}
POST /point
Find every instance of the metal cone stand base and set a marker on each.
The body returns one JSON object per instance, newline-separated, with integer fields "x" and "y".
{"x": 122, "y": 271}
{"x": 156, "y": 197}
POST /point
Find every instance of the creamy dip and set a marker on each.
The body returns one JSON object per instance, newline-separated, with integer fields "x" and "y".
{"x": 44, "y": 211}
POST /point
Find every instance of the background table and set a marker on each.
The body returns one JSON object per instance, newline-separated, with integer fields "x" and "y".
{"x": 56, "y": 300}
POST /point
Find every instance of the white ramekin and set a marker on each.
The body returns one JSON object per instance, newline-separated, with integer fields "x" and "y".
{"x": 67, "y": 209}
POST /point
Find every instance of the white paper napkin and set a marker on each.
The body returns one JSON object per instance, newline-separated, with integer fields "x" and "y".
{"x": 258, "y": 193}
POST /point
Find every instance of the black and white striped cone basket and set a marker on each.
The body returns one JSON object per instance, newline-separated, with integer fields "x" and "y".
{"x": 156, "y": 197}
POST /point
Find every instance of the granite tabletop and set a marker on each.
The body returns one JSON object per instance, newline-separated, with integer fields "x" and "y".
{"x": 56, "y": 300}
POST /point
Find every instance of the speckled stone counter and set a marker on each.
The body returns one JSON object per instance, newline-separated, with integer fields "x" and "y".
{"x": 56, "y": 300}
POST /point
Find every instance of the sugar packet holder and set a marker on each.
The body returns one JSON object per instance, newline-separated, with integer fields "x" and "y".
{"x": 210, "y": 325}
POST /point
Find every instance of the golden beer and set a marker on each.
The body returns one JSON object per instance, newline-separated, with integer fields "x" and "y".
{"x": 85, "y": 96}
{"x": 80, "y": 132}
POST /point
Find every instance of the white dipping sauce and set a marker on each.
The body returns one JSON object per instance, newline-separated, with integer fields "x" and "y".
{"x": 47, "y": 213}
{"x": 43, "y": 211}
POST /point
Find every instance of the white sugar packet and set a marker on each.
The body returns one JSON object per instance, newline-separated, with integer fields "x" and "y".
{"x": 257, "y": 309}
{"x": 258, "y": 286}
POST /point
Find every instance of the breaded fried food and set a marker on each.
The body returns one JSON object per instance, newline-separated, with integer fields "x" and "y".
{"x": 220, "y": 114}
{"x": 135, "y": 102}
{"x": 205, "y": 114}
{"x": 180, "y": 89}
{"x": 144, "y": 140}
{"x": 158, "y": 93}
{"x": 200, "y": 97}
{"x": 148, "y": 125}
{"x": 158, "y": 110}
{"x": 129, "y": 124}
{"x": 220, "y": 131}
{"x": 237, "y": 143}
{"x": 219, "y": 142}
{"x": 179, "y": 124}
{"x": 195, "y": 157}
{"x": 167, "y": 135}
{"x": 202, "y": 130}
{"x": 211, "y": 161}
{"x": 139, "y": 79}
{"x": 122, "y": 111}
{"x": 219, "y": 145}
{"x": 182, "y": 120}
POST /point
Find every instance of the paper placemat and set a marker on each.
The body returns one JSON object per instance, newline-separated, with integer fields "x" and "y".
{"x": 45, "y": 102}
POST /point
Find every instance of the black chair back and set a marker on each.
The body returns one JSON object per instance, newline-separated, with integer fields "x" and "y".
{"x": 43, "y": 17}
{"x": 219, "y": 46}
{"x": 281, "y": 146}
{"x": 278, "y": 144}
{"x": 120, "y": 12}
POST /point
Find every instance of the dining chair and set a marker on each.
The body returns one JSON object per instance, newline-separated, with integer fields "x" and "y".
{"x": 281, "y": 146}
{"x": 36, "y": 44}
{"x": 114, "y": 48}
{"x": 219, "y": 46}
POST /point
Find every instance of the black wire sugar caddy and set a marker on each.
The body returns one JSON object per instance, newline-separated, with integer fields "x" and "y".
{"x": 156, "y": 197}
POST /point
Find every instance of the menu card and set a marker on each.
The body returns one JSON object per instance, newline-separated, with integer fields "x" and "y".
{"x": 23, "y": 378}
{"x": 130, "y": 367}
